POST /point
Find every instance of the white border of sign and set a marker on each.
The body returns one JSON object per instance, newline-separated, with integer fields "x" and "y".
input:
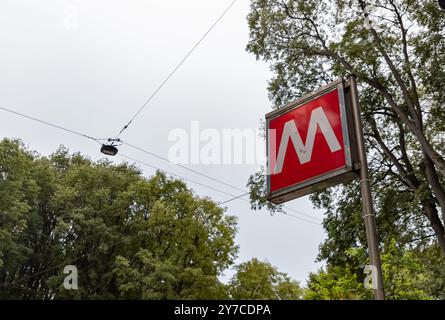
{"x": 340, "y": 175}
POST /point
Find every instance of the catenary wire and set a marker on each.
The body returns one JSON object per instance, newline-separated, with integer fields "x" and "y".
{"x": 209, "y": 177}
{"x": 176, "y": 68}
{"x": 174, "y": 174}
{"x": 234, "y": 198}
{"x": 186, "y": 179}
{"x": 50, "y": 124}
{"x": 182, "y": 166}
{"x": 150, "y": 153}
{"x": 239, "y": 197}
{"x": 146, "y": 164}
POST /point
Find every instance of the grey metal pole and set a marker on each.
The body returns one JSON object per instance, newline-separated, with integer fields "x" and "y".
{"x": 365, "y": 188}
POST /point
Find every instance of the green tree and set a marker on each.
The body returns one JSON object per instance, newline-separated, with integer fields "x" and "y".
{"x": 14, "y": 184}
{"x": 395, "y": 47}
{"x": 128, "y": 236}
{"x": 408, "y": 274}
{"x": 336, "y": 283}
{"x": 256, "y": 280}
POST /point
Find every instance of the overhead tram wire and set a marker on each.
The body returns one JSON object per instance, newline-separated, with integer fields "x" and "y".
{"x": 186, "y": 179}
{"x": 176, "y": 68}
{"x": 210, "y": 178}
{"x": 235, "y": 198}
{"x": 129, "y": 123}
{"x": 181, "y": 166}
{"x": 162, "y": 85}
{"x": 141, "y": 162}
{"x": 98, "y": 140}
{"x": 175, "y": 175}
{"x": 299, "y": 218}
{"x": 51, "y": 124}
{"x": 239, "y": 197}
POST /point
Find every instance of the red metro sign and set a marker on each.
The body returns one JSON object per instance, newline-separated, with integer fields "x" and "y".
{"x": 310, "y": 144}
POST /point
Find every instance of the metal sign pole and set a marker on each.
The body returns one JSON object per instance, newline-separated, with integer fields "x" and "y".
{"x": 365, "y": 187}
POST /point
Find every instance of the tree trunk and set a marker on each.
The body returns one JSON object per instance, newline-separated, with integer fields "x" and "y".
{"x": 428, "y": 149}
{"x": 432, "y": 215}
{"x": 436, "y": 187}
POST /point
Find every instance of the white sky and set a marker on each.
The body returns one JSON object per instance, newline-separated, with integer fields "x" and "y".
{"x": 94, "y": 78}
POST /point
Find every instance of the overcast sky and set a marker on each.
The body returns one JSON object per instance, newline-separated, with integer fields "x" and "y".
{"x": 89, "y": 65}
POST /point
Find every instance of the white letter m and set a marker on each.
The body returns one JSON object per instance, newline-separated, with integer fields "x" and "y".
{"x": 304, "y": 151}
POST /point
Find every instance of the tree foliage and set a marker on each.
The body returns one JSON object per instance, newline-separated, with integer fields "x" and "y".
{"x": 408, "y": 274}
{"x": 128, "y": 236}
{"x": 395, "y": 48}
{"x": 257, "y": 280}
